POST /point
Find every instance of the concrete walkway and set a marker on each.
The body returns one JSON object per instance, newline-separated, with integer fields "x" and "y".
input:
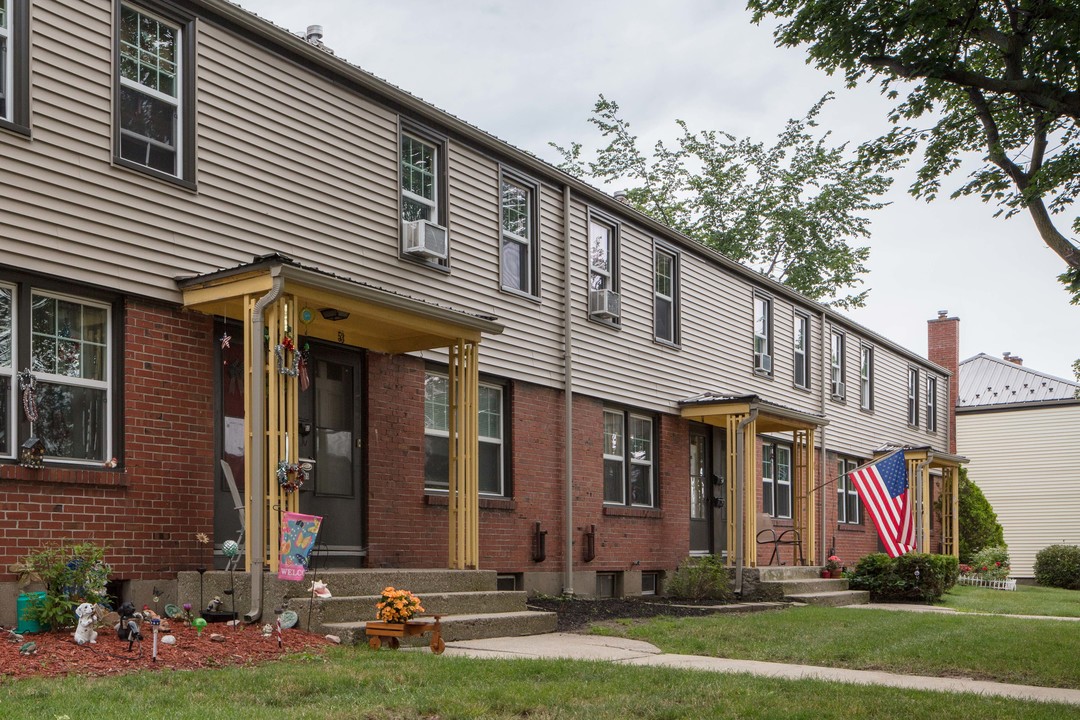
{"x": 636, "y": 652}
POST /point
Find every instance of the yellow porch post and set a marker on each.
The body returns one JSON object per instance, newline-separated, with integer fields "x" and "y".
{"x": 918, "y": 470}
{"x": 804, "y": 489}
{"x": 749, "y": 506}
{"x": 464, "y": 496}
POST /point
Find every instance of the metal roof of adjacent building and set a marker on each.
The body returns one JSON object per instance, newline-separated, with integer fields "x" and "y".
{"x": 988, "y": 381}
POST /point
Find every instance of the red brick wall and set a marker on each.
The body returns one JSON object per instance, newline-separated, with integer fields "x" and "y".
{"x": 943, "y": 348}
{"x": 146, "y": 511}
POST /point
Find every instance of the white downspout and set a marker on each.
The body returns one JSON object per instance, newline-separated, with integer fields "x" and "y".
{"x": 920, "y": 499}
{"x": 826, "y": 379}
{"x": 740, "y": 495}
{"x": 257, "y": 531}
{"x": 568, "y": 400}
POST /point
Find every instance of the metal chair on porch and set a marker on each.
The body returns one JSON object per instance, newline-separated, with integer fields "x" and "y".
{"x": 238, "y": 505}
{"x": 767, "y": 535}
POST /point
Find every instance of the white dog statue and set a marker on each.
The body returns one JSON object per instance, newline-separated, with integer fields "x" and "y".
{"x": 85, "y": 632}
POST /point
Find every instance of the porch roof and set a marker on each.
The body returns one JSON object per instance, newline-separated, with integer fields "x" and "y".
{"x": 713, "y": 408}
{"x": 335, "y": 308}
{"x": 938, "y": 458}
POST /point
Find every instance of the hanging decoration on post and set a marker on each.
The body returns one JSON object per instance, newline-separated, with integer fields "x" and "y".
{"x": 28, "y": 385}
{"x": 302, "y": 366}
{"x": 291, "y": 476}
{"x": 32, "y": 452}
{"x": 226, "y": 340}
{"x": 288, "y": 357}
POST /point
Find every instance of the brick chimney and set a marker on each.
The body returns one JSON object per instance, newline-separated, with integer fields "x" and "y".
{"x": 1014, "y": 359}
{"x": 943, "y": 348}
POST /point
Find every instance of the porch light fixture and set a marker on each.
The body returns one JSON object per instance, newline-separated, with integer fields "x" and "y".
{"x": 333, "y": 314}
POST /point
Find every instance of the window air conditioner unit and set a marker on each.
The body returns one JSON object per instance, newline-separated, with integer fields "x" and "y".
{"x": 839, "y": 389}
{"x": 425, "y": 239}
{"x": 763, "y": 362}
{"x": 604, "y": 304}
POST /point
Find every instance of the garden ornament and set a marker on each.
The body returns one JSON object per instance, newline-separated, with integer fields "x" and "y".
{"x": 199, "y": 624}
{"x": 85, "y": 632}
{"x": 128, "y": 628}
{"x": 318, "y": 589}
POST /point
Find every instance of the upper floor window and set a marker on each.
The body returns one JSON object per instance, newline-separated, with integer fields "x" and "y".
{"x": 14, "y": 65}
{"x": 520, "y": 258}
{"x": 604, "y": 300}
{"x": 913, "y": 397}
{"x": 847, "y": 497}
{"x": 866, "y": 378}
{"x": 931, "y": 404}
{"x": 155, "y": 109}
{"x": 7, "y": 371}
{"x": 492, "y": 451}
{"x": 801, "y": 350}
{"x": 776, "y": 480}
{"x": 763, "y": 313}
{"x": 629, "y": 459}
{"x": 838, "y": 366}
{"x": 423, "y": 199}
{"x": 665, "y": 295}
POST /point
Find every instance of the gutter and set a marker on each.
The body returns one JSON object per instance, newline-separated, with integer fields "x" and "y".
{"x": 257, "y": 531}
{"x": 568, "y": 400}
{"x": 740, "y": 495}
{"x": 826, "y": 379}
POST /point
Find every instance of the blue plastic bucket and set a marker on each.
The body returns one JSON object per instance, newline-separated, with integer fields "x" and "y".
{"x": 24, "y": 603}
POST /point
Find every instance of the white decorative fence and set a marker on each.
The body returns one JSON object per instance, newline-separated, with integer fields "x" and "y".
{"x": 1008, "y": 584}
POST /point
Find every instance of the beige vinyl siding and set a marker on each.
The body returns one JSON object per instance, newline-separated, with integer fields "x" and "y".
{"x": 1027, "y": 463}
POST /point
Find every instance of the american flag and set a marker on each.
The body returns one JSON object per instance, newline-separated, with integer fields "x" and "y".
{"x": 883, "y": 489}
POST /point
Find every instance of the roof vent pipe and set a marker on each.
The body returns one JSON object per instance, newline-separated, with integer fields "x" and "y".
{"x": 314, "y": 34}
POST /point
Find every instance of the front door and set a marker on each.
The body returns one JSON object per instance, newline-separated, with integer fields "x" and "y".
{"x": 701, "y": 491}
{"x": 330, "y": 440}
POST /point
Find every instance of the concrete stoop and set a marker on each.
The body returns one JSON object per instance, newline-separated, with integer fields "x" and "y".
{"x": 805, "y": 585}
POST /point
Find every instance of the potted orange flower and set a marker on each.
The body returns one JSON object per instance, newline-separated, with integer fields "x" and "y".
{"x": 397, "y": 606}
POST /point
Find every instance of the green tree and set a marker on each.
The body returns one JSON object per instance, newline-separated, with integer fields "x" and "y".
{"x": 788, "y": 210}
{"x": 979, "y": 526}
{"x": 992, "y": 79}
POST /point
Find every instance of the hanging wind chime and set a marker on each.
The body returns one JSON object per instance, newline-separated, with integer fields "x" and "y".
{"x": 32, "y": 452}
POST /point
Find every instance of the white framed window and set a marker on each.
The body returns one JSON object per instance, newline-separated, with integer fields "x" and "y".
{"x": 491, "y": 428}
{"x": 154, "y": 115}
{"x": 15, "y": 65}
{"x": 6, "y": 66}
{"x": 866, "y": 377}
{"x": 763, "y": 314}
{"x": 70, "y": 357}
{"x": 629, "y": 459}
{"x": 8, "y": 390}
{"x": 776, "y": 480}
{"x": 801, "y": 350}
{"x": 419, "y": 179}
{"x": 665, "y": 295}
{"x": 913, "y": 397}
{"x": 838, "y": 365}
{"x": 519, "y": 253}
{"x": 603, "y": 245}
{"x": 931, "y": 404}
{"x": 848, "y": 510}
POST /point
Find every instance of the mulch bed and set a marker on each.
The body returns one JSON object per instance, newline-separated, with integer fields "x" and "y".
{"x": 577, "y": 614}
{"x": 57, "y": 654}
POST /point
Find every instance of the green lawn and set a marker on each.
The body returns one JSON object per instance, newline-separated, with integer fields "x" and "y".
{"x": 1025, "y": 600}
{"x": 358, "y": 683}
{"x": 1003, "y": 649}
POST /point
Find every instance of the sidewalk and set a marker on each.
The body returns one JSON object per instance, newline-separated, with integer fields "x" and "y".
{"x": 636, "y": 652}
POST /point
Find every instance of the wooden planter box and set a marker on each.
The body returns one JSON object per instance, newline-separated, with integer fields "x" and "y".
{"x": 376, "y": 630}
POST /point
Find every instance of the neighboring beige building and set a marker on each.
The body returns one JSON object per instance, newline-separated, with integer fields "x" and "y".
{"x": 1020, "y": 429}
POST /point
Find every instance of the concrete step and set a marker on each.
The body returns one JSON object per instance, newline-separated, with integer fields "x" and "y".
{"x": 810, "y": 585}
{"x": 776, "y": 573}
{"x": 833, "y": 599}
{"x": 318, "y": 612}
{"x": 461, "y": 627}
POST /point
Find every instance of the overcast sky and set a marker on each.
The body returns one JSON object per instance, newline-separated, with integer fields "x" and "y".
{"x": 530, "y": 72}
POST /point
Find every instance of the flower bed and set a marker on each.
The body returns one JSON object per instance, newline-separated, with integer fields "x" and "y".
{"x": 1006, "y": 584}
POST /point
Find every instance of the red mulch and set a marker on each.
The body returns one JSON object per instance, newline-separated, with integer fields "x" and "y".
{"x": 57, "y": 654}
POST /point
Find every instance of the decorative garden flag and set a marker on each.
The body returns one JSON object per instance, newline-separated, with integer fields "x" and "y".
{"x": 883, "y": 488}
{"x": 298, "y": 533}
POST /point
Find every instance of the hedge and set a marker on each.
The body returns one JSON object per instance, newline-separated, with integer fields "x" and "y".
{"x": 915, "y": 577}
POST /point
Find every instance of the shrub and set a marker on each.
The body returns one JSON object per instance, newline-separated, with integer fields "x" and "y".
{"x": 915, "y": 577}
{"x": 72, "y": 574}
{"x": 1058, "y": 566}
{"x": 703, "y": 578}
{"x": 979, "y": 526}
{"x": 990, "y": 563}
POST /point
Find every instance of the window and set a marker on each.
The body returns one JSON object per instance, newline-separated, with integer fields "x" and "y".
{"x": 762, "y": 335}
{"x": 839, "y": 369}
{"x": 650, "y": 583}
{"x": 604, "y": 302}
{"x": 866, "y": 378}
{"x": 776, "y": 480}
{"x": 492, "y": 460}
{"x": 848, "y": 510}
{"x": 628, "y": 459}
{"x": 801, "y": 345}
{"x": 424, "y": 236}
{"x": 14, "y": 65}
{"x": 155, "y": 94}
{"x": 913, "y": 397}
{"x": 931, "y": 404}
{"x": 665, "y": 295}
{"x": 520, "y": 259}
{"x": 7, "y": 371}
